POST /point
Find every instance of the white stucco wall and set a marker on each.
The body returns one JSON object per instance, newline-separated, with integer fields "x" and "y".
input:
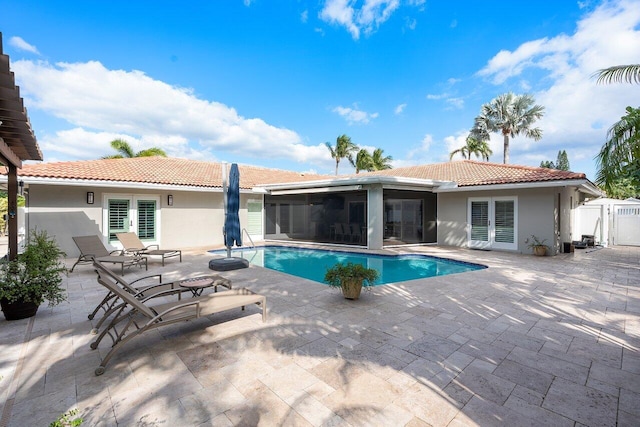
{"x": 195, "y": 219}
{"x": 536, "y": 215}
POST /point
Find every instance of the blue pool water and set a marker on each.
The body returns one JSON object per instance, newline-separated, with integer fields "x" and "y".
{"x": 313, "y": 263}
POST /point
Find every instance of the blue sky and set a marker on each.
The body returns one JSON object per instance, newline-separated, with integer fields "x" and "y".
{"x": 269, "y": 82}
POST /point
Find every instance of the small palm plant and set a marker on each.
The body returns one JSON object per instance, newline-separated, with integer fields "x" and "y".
{"x": 537, "y": 245}
{"x": 350, "y": 277}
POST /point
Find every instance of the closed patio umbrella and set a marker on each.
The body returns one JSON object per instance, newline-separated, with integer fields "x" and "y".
{"x": 233, "y": 234}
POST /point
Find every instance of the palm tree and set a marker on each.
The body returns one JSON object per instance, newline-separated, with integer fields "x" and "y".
{"x": 618, "y": 161}
{"x": 364, "y": 161}
{"x": 380, "y": 162}
{"x": 510, "y": 115}
{"x": 619, "y": 74}
{"x": 619, "y": 157}
{"x": 344, "y": 149}
{"x": 473, "y": 146}
{"x": 125, "y": 151}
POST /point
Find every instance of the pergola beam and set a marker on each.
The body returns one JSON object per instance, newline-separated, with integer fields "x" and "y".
{"x": 17, "y": 143}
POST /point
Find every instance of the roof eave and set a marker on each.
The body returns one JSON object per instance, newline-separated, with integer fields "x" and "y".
{"x": 344, "y": 181}
{"x": 30, "y": 180}
{"x": 584, "y": 184}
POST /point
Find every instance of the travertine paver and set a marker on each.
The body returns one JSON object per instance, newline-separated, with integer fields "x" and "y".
{"x": 529, "y": 341}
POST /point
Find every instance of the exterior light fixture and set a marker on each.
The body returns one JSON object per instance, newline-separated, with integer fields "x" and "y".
{"x": 170, "y": 200}
{"x": 20, "y": 186}
{"x": 90, "y": 197}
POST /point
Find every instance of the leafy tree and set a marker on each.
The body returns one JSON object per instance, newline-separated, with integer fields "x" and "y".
{"x": 344, "y": 149}
{"x": 562, "y": 162}
{"x": 372, "y": 162}
{"x": 473, "y": 146}
{"x": 510, "y": 115}
{"x": 623, "y": 188}
{"x": 619, "y": 74}
{"x": 618, "y": 161}
{"x": 4, "y": 207}
{"x": 125, "y": 151}
{"x": 379, "y": 161}
{"x": 547, "y": 164}
{"x": 364, "y": 161}
{"x": 619, "y": 157}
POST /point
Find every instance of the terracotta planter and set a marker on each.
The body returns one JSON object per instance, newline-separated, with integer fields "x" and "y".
{"x": 18, "y": 310}
{"x": 351, "y": 289}
{"x": 540, "y": 250}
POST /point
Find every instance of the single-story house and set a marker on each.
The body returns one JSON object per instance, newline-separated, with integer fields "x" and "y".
{"x": 179, "y": 203}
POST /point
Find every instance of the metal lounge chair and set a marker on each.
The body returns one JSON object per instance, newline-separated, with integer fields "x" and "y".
{"x": 111, "y": 303}
{"x": 132, "y": 244}
{"x": 136, "y": 316}
{"x": 91, "y": 247}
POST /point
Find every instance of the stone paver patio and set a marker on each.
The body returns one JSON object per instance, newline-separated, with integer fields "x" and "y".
{"x": 528, "y": 341}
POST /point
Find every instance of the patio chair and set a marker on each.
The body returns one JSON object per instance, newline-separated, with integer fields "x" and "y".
{"x": 91, "y": 247}
{"x": 356, "y": 232}
{"x": 132, "y": 244}
{"x": 137, "y": 316}
{"x": 111, "y": 303}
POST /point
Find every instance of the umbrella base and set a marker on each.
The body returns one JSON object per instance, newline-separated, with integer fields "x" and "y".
{"x": 226, "y": 264}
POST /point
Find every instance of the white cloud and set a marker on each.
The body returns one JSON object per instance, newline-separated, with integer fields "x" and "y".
{"x": 366, "y": 19}
{"x": 410, "y": 23}
{"x": 21, "y": 44}
{"x": 578, "y": 111}
{"x": 457, "y": 103}
{"x": 103, "y": 104}
{"x": 418, "y": 154}
{"x": 304, "y": 16}
{"x": 400, "y": 108}
{"x": 353, "y": 115}
{"x": 454, "y": 23}
{"x": 247, "y": 3}
{"x": 453, "y": 102}
{"x": 437, "y": 96}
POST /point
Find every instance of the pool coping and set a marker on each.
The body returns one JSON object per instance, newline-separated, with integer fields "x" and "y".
{"x": 477, "y": 266}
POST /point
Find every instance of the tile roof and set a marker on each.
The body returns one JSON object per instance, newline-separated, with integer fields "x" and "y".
{"x": 471, "y": 173}
{"x": 173, "y": 171}
{"x": 161, "y": 170}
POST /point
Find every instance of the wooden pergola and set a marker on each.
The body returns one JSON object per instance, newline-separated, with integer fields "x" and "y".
{"x": 17, "y": 143}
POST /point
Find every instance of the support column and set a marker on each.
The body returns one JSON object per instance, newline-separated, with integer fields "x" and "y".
{"x": 375, "y": 217}
{"x": 12, "y": 211}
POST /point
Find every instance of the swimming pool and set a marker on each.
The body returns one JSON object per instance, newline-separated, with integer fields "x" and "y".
{"x": 313, "y": 263}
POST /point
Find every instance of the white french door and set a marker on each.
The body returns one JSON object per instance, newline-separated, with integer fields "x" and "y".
{"x": 493, "y": 222}
{"x": 139, "y": 214}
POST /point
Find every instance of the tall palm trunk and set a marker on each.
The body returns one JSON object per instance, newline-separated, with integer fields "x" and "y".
{"x": 337, "y": 163}
{"x": 506, "y": 149}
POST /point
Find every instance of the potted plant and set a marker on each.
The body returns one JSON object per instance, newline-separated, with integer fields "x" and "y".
{"x": 31, "y": 278}
{"x": 536, "y": 245}
{"x": 350, "y": 277}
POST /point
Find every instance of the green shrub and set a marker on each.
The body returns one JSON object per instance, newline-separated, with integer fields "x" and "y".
{"x": 35, "y": 275}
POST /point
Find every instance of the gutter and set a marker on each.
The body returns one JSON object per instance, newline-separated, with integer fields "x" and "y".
{"x": 351, "y": 182}
{"x": 586, "y": 186}
{"x": 28, "y": 180}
